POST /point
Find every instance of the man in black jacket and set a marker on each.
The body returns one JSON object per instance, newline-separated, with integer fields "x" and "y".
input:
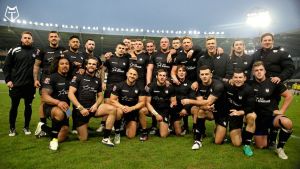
{"x": 278, "y": 63}
{"x": 18, "y": 68}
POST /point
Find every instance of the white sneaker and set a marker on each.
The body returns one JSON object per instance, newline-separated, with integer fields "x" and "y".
{"x": 117, "y": 139}
{"x": 281, "y": 153}
{"x": 107, "y": 142}
{"x": 196, "y": 145}
{"x": 74, "y": 132}
{"x": 12, "y": 132}
{"x": 38, "y": 129}
{"x": 53, "y": 144}
{"x": 26, "y": 131}
{"x": 100, "y": 129}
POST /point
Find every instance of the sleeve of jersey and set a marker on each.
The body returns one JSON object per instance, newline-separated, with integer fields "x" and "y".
{"x": 250, "y": 101}
{"x": 142, "y": 91}
{"x": 218, "y": 89}
{"x": 229, "y": 67}
{"x": 172, "y": 89}
{"x": 116, "y": 89}
{"x": 48, "y": 83}
{"x": 8, "y": 64}
{"x": 149, "y": 89}
{"x": 280, "y": 87}
{"x": 75, "y": 81}
{"x": 99, "y": 86}
{"x": 40, "y": 56}
{"x": 287, "y": 66}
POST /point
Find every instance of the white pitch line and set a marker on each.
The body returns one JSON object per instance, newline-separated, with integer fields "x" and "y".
{"x": 296, "y": 137}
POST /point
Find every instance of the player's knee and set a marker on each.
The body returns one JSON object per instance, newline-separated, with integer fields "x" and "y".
{"x": 250, "y": 118}
{"x": 143, "y": 111}
{"x": 286, "y": 123}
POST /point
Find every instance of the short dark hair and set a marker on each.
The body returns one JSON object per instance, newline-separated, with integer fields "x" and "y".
{"x": 204, "y": 67}
{"x": 176, "y": 38}
{"x": 54, "y": 32}
{"x": 89, "y": 39}
{"x": 266, "y": 34}
{"x": 74, "y": 36}
{"x": 238, "y": 70}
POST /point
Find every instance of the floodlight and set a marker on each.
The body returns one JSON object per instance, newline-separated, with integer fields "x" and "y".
{"x": 260, "y": 19}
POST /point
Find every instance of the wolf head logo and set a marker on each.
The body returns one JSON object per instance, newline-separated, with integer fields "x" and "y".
{"x": 11, "y": 13}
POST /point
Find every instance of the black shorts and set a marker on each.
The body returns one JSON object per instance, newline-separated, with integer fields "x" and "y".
{"x": 221, "y": 118}
{"x": 165, "y": 113}
{"x": 26, "y": 92}
{"x": 175, "y": 116}
{"x": 263, "y": 124}
{"x": 80, "y": 119}
{"x": 47, "y": 110}
{"x": 235, "y": 122}
{"x": 108, "y": 91}
{"x": 132, "y": 116}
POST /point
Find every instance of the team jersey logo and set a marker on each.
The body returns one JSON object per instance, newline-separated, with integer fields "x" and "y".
{"x": 218, "y": 57}
{"x": 114, "y": 88}
{"x": 275, "y": 51}
{"x": 136, "y": 91}
{"x": 240, "y": 97}
{"x": 185, "y": 84}
{"x": 267, "y": 90}
{"x": 74, "y": 79}
{"x": 33, "y": 55}
{"x": 47, "y": 80}
{"x": 245, "y": 63}
{"x": 124, "y": 63}
{"x": 194, "y": 59}
{"x": 166, "y": 91}
{"x": 141, "y": 59}
{"x": 289, "y": 56}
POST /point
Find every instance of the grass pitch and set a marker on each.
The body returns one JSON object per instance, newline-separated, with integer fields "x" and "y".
{"x": 171, "y": 153}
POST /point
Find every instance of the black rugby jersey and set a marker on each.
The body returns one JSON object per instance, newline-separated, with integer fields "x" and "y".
{"x": 140, "y": 62}
{"x": 240, "y": 98}
{"x": 159, "y": 61}
{"x": 47, "y": 56}
{"x": 243, "y": 63}
{"x": 58, "y": 86}
{"x": 220, "y": 65}
{"x": 128, "y": 95}
{"x": 189, "y": 63}
{"x": 117, "y": 68}
{"x": 160, "y": 96}
{"x": 183, "y": 90}
{"x": 265, "y": 94}
{"x": 87, "y": 89}
{"x": 75, "y": 57}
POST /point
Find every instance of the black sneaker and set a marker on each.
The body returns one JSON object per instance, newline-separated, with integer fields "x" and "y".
{"x": 144, "y": 137}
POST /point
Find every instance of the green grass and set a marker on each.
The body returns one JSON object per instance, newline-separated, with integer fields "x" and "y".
{"x": 173, "y": 152}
